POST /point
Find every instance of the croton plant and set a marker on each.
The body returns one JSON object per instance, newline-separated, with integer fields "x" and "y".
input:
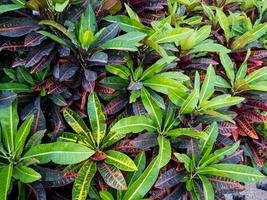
{"x": 132, "y": 99}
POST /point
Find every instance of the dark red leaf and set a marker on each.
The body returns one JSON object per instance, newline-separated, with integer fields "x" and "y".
{"x": 169, "y": 179}
{"x": 33, "y": 39}
{"x": 67, "y": 71}
{"x": 18, "y": 27}
{"x": 115, "y": 105}
{"x": 37, "y": 54}
{"x": 245, "y": 126}
{"x": 6, "y": 98}
{"x": 146, "y": 140}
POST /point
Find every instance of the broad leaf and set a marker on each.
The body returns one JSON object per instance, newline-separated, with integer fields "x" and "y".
{"x": 120, "y": 160}
{"x": 63, "y": 153}
{"x": 25, "y": 174}
{"x": 134, "y": 124}
{"x": 186, "y": 132}
{"x": 16, "y": 28}
{"x": 112, "y": 176}
{"x": 169, "y": 179}
{"x": 239, "y": 172}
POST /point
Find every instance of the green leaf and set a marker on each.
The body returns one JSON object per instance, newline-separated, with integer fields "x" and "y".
{"x": 57, "y": 26}
{"x": 63, "y": 153}
{"x": 207, "y": 188}
{"x": 120, "y": 160}
{"x": 119, "y": 70}
{"x": 172, "y": 35}
{"x": 163, "y": 84}
{"x": 9, "y": 121}
{"x": 177, "y": 97}
{"x": 207, "y": 143}
{"x": 60, "y": 6}
{"x": 77, "y": 124}
{"x": 24, "y": 76}
{"x": 219, "y": 115}
{"x": 127, "y": 24}
{"x": 256, "y": 76}
{"x": 239, "y": 172}
{"x": 154, "y": 112}
{"x": 223, "y": 21}
{"x": 219, "y": 154}
{"x": 25, "y": 174}
{"x": 140, "y": 162}
{"x": 221, "y": 101}
{"x": 5, "y": 180}
{"x": 134, "y": 124}
{"x": 165, "y": 151}
{"x": 126, "y": 42}
{"x": 9, "y": 7}
{"x": 207, "y": 88}
{"x": 221, "y": 82}
{"x": 97, "y": 118}
{"x": 209, "y": 47}
{"x": 202, "y": 34}
{"x": 186, "y": 132}
{"x": 153, "y": 69}
{"x": 143, "y": 184}
{"x": 228, "y": 66}
{"x": 112, "y": 176}
{"x": 250, "y": 36}
{"x": 131, "y": 13}
{"x": 22, "y": 135}
{"x": 15, "y": 87}
{"x": 190, "y": 102}
{"x": 57, "y": 39}
{"x": 83, "y": 181}
{"x": 105, "y": 195}
{"x": 184, "y": 159}
{"x": 88, "y": 20}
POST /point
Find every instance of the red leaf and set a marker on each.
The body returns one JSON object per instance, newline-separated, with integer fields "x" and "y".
{"x": 245, "y": 126}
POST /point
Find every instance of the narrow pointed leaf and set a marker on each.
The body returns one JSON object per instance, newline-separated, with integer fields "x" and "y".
{"x": 142, "y": 185}
{"x": 5, "y": 180}
{"x": 152, "y": 108}
{"x": 97, "y": 118}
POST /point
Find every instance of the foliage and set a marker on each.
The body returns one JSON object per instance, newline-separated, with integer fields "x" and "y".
{"x": 130, "y": 100}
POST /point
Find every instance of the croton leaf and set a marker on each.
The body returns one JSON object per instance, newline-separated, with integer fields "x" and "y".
{"x": 17, "y": 28}
{"x": 112, "y": 176}
{"x": 120, "y": 160}
{"x": 63, "y": 153}
{"x": 83, "y": 181}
